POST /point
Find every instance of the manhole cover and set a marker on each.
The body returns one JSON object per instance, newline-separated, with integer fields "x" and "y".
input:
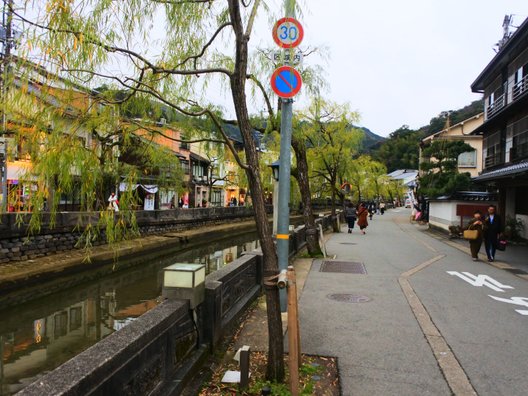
{"x": 348, "y": 243}
{"x": 347, "y": 267}
{"x": 349, "y": 298}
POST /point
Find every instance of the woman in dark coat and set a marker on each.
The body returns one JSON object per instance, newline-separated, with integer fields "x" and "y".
{"x": 476, "y": 223}
{"x": 362, "y": 221}
{"x": 350, "y": 215}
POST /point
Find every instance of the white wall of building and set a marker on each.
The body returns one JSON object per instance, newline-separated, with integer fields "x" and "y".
{"x": 442, "y": 214}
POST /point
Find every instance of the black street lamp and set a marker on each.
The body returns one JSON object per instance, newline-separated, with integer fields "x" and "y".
{"x": 275, "y": 167}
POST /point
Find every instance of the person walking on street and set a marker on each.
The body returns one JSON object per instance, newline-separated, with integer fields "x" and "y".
{"x": 350, "y": 215}
{"x": 382, "y": 208}
{"x": 476, "y": 224}
{"x": 371, "y": 210}
{"x": 492, "y": 231}
{"x": 113, "y": 203}
{"x": 362, "y": 214}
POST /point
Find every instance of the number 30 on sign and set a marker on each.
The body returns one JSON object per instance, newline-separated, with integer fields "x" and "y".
{"x": 288, "y": 33}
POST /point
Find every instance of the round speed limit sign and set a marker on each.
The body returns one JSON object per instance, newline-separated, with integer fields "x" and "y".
{"x": 288, "y": 33}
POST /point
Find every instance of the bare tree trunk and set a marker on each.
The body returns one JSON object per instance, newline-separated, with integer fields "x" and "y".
{"x": 275, "y": 366}
{"x": 312, "y": 240}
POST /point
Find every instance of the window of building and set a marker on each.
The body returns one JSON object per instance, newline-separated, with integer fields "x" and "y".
{"x": 468, "y": 160}
{"x": 217, "y": 198}
{"x": 198, "y": 169}
{"x": 517, "y": 140}
{"x": 185, "y": 166}
{"x": 492, "y": 150}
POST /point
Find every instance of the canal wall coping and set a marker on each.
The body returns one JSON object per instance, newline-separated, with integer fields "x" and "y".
{"x": 158, "y": 353}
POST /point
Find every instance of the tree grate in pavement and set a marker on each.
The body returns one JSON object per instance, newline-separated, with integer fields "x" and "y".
{"x": 347, "y": 267}
{"x": 348, "y": 298}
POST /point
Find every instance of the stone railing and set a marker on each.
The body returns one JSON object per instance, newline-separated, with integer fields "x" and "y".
{"x": 158, "y": 353}
{"x": 146, "y": 357}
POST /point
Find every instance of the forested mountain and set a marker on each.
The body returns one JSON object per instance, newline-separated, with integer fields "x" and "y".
{"x": 401, "y": 149}
{"x": 371, "y": 139}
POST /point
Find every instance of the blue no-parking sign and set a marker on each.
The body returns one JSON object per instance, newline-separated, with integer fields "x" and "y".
{"x": 286, "y": 82}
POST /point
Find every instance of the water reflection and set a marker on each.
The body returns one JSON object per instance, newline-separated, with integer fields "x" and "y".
{"x": 38, "y": 336}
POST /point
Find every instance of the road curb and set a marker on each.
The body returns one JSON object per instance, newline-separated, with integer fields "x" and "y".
{"x": 453, "y": 372}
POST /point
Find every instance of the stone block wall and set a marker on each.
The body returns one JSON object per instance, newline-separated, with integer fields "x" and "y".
{"x": 17, "y": 245}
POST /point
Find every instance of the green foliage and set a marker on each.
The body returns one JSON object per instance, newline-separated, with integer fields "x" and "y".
{"x": 331, "y": 142}
{"x": 438, "y": 123}
{"x": 400, "y": 151}
{"x": 440, "y": 166}
{"x": 368, "y": 179}
{"x": 277, "y": 389}
{"x": 514, "y": 228}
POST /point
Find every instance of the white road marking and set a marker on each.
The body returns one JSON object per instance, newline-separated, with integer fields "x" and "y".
{"x": 523, "y": 301}
{"x": 481, "y": 280}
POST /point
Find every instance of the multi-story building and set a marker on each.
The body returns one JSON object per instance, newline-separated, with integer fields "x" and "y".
{"x": 469, "y": 162}
{"x": 504, "y": 83}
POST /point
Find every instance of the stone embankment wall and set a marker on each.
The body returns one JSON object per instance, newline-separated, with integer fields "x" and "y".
{"x": 17, "y": 245}
{"x": 161, "y": 351}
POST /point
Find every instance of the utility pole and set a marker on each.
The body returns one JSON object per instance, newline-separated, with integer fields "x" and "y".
{"x": 7, "y": 21}
{"x": 283, "y": 218}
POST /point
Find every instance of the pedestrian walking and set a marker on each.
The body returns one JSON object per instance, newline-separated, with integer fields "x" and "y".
{"x": 371, "y": 210}
{"x": 492, "y": 232}
{"x": 362, "y": 214}
{"x": 476, "y": 225}
{"x": 382, "y": 208}
{"x": 350, "y": 215}
{"x": 113, "y": 203}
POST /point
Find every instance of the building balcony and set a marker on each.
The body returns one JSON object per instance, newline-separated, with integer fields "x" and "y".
{"x": 513, "y": 92}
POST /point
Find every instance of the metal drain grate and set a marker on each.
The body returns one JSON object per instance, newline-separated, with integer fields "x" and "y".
{"x": 347, "y": 267}
{"x": 348, "y": 243}
{"x": 349, "y": 298}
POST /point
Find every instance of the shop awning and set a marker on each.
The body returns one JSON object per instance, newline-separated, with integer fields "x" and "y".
{"x": 150, "y": 188}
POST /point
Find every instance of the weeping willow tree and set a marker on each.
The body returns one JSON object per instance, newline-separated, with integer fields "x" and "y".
{"x": 331, "y": 144}
{"x": 75, "y": 141}
{"x": 179, "y": 53}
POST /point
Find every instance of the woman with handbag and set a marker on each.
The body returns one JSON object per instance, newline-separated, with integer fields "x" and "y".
{"x": 474, "y": 234}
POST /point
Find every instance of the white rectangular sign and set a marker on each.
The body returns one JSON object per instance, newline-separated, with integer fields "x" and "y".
{"x": 284, "y": 57}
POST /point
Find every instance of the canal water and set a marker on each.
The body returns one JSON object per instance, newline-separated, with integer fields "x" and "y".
{"x": 38, "y": 336}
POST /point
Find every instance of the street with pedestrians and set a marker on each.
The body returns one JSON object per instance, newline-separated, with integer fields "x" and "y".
{"x": 422, "y": 318}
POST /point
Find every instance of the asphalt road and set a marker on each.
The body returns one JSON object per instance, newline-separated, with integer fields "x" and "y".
{"x": 430, "y": 327}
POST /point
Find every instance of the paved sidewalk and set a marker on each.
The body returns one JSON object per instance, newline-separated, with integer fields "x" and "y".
{"x": 380, "y": 346}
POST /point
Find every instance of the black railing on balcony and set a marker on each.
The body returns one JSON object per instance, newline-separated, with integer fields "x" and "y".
{"x": 518, "y": 89}
{"x": 519, "y": 152}
{"x": 496, "y": 106}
